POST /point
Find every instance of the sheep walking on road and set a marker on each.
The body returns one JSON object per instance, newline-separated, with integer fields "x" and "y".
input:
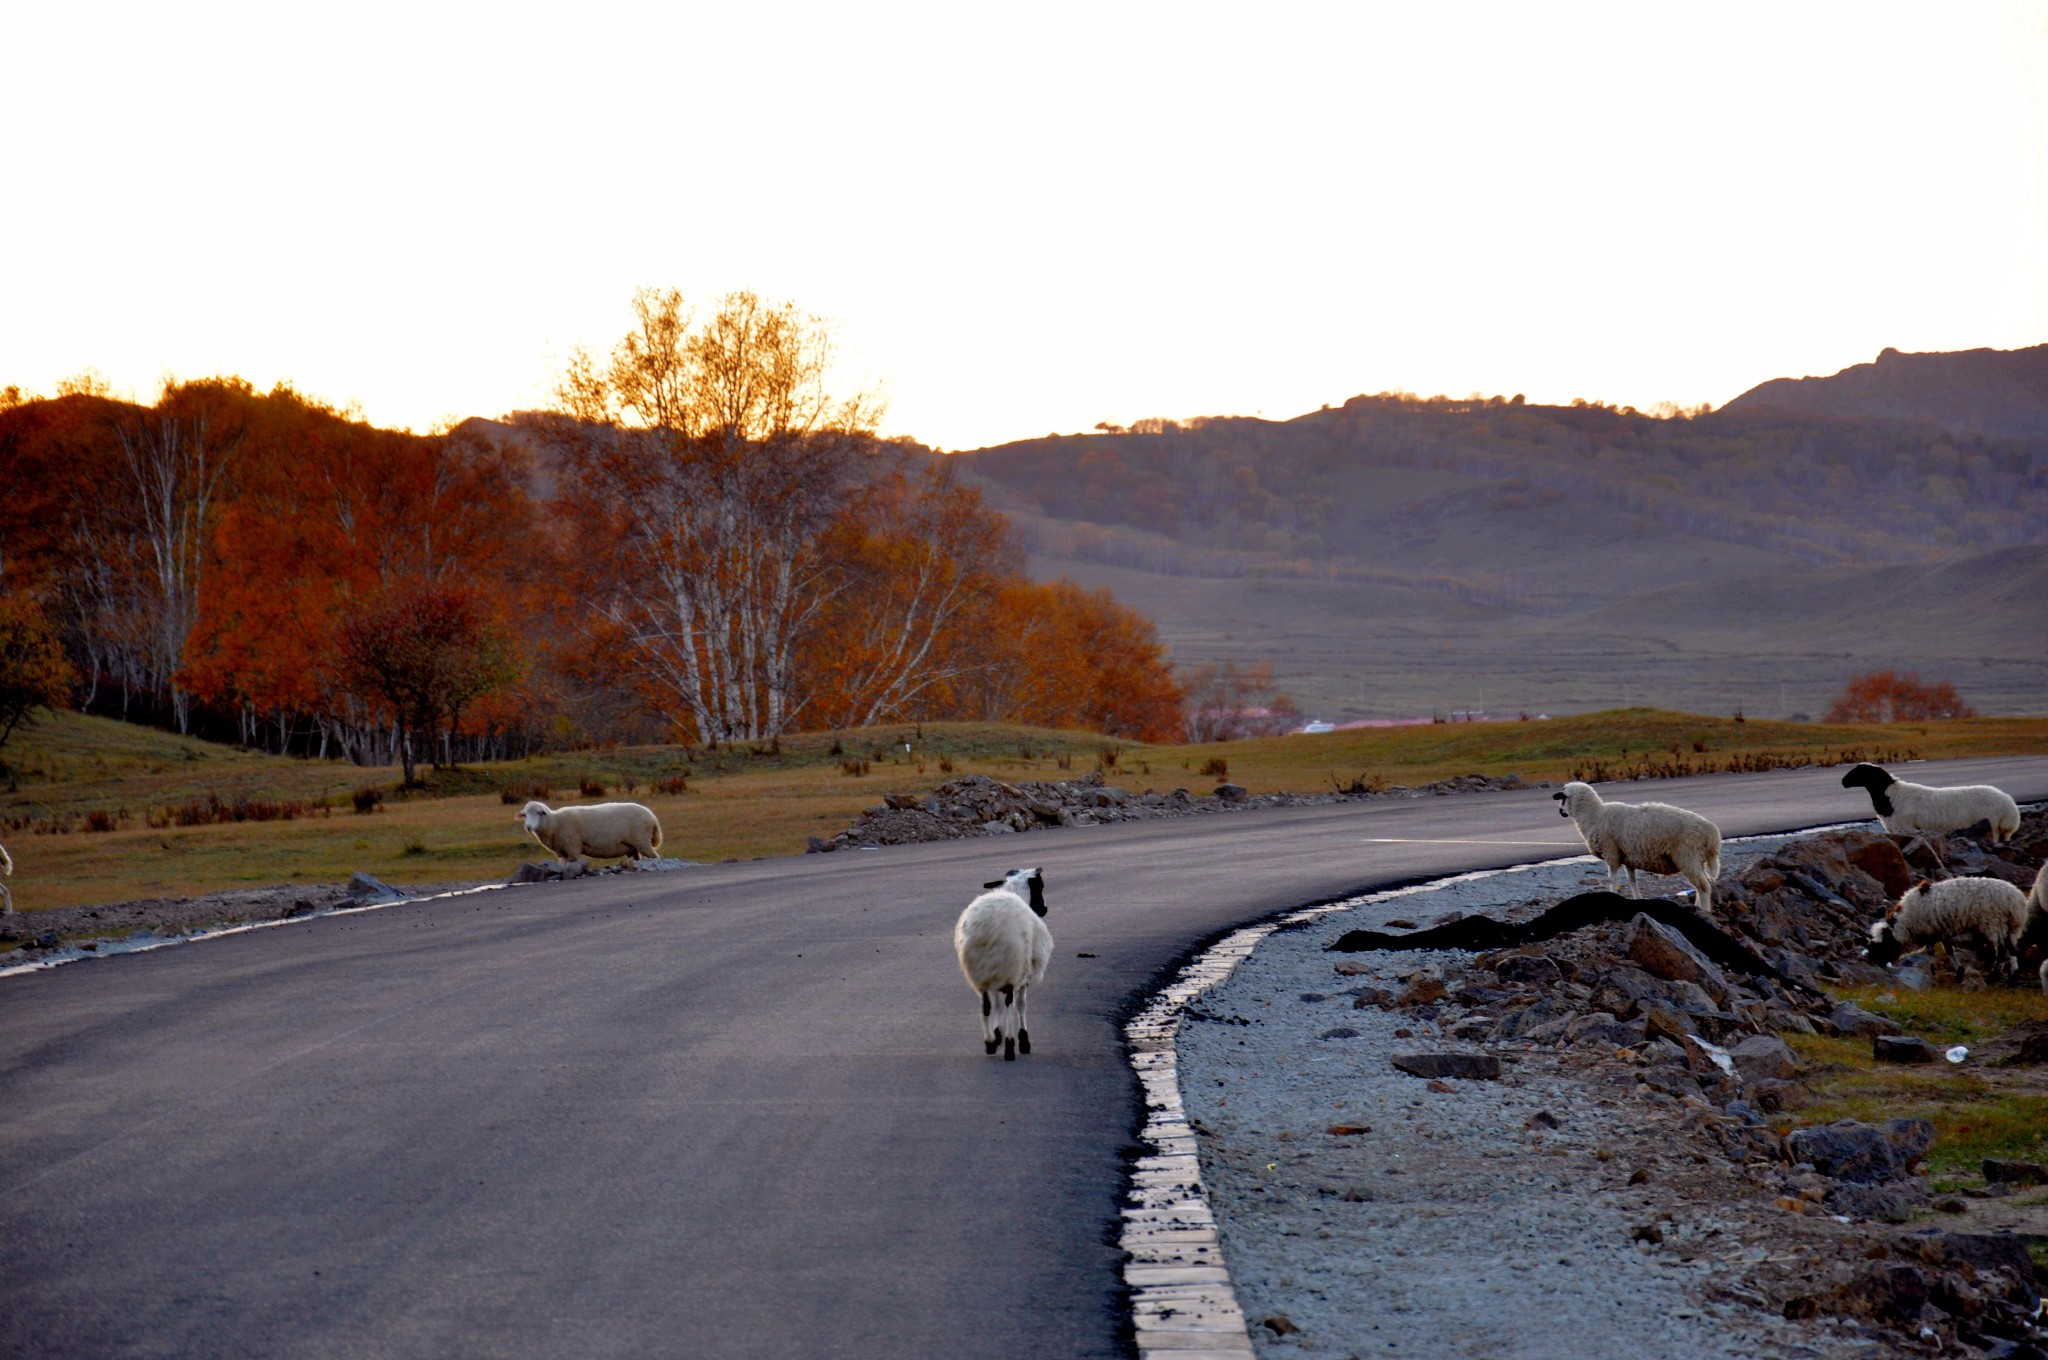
{"x": 1986, "y": 914}
{"x": 1004, "y": 947}
{"x": 1653, "y": 837}
{"x": 1916, "y": 810}
{"x": 606, "y": 830}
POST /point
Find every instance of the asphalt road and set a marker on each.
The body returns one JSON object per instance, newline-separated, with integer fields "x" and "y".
{"x": 730, "y": 1112}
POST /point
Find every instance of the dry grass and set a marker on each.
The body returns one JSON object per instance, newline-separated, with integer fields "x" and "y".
{"x": 75, "y": 773}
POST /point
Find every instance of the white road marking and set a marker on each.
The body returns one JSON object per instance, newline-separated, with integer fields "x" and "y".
{"x": 1453, "y": 840}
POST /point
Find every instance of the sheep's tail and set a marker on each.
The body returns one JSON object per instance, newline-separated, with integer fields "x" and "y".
{"x": 655, "y": 839}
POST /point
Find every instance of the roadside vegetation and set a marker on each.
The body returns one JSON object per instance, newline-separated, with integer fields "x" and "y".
{"x": 1979, "y": 1109}
{"x": 96, "y": 810}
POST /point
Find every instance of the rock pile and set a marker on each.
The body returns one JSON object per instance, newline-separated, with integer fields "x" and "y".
{"x": 1635, "y": 1005}
{"x": 976, "y": 805}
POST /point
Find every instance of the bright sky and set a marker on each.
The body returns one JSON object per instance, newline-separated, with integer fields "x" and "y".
{"x": 1026, "y": 218}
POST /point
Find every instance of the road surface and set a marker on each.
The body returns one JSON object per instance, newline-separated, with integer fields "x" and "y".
{"x": 734, "y": 1111}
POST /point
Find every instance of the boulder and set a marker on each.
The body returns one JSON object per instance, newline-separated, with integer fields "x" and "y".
{"x": 1900, "y": 1048}
{"x": 1882, "y": 861}
{"x": 2001, "y": 1172}
{"x": 1851, "y": 1020}
{"x": 1868, "y": 1154}
{"x": 365, "y": 888}
{"x": 1533, "y": 970}
{"x": 1472, "y": 1066}
{"x": 1776, "y": 1097}
{"x": 1664, "y": 953}
{"x": 1892, "y": 1203}
{"x": 1231, "y": 793}
{"x": 1764, "y": 1057}
{"x": 1662, "y": 1020}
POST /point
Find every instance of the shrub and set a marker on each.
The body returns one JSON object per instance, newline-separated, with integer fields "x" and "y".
{"x": 1883, "y": 696}
{"x": 672, "y": 784}
{"x": 853, "y": 768}
{"x": 523, "y": 791}
{"x": 415, "y": 846}
{"x": 366, "y": 799}
{"x": 590, "y": 788}
{"x": 945, "y": 764}
{"x": 1216, "y": 767}
{"x": 100, "y": 819}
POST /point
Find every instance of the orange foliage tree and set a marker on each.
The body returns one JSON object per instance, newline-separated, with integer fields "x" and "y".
{"x": 1225, "y": 703}
{"x": 1882, "y": 696}
{"x": 33, "y": 671}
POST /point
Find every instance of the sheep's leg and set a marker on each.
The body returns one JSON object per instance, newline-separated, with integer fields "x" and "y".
{"x": 1633, "y": 890}
{"x": 1706, "y": 892}
{"x": 1009, "y": 1022}
{"x": 1023, "y": 1032}
{"x": 6, "y": 901}
{"x": 988, "y": 1031}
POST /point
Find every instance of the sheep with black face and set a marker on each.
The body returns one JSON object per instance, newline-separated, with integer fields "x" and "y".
{"x": 1918, "y": 810}
{"x": 1004, "y": 947}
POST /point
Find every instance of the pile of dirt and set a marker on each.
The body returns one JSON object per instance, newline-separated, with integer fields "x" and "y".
{"x": 976, "y": 805}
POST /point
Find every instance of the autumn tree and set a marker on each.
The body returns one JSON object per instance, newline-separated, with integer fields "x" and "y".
{"x": 1883, "y": 696}
{"x": 1226, "y": 703}
{"x": 716, "y": 458}
{"x": 920, "y": 560}
{"x": 33, "y": 671}
{"x": 1062, "y": 656}
{"x": 425, "y": 654}
{"x": 176, "y": 457}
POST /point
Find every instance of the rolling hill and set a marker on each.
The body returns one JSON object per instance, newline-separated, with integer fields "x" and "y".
{"x": 1398, "y": 556}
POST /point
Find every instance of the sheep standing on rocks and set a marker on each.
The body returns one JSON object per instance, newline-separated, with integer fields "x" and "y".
{"x": 606, "y": 830}
{"x": 1916, "y": 810}
{"x": 1988, "y": 914}
{"x": 1656, "y": 838}
{"x": 1003, "y": 947}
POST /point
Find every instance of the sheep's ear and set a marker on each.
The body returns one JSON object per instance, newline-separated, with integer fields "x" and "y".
{"x": 1558, "y": 796}
{"x": 997, "y": 884}
{"x": 1038, "y": 894}
{"x": 1923, "y": 883}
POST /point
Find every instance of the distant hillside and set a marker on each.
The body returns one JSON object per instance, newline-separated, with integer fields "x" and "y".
{"x": 1986, "y": 391}
{"x": 1471, "y": 489}
{"x": 1397, "y": 556}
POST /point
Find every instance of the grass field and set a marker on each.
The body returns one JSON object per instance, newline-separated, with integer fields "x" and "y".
{"x": 95, "y": 810}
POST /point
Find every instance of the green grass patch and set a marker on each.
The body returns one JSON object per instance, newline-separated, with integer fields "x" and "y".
{"x": 1977, "y": 1110}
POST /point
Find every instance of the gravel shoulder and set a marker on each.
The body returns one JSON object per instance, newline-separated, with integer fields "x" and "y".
{"x": 1565, "y": 1208}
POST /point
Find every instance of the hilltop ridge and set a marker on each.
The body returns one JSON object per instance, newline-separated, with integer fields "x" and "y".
{"x": 1985, "y": 391}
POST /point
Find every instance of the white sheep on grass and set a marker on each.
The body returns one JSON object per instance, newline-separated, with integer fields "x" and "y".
{"x": 1987, "y": 914}
{"x": 605, "y": 830}
{"x": 1653, "y": 837}
{"x": 1004, "y": 947}
{"x": 1916, "y": 810}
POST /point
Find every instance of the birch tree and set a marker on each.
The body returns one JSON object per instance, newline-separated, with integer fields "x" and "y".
{"x": 729, "y": 457}
{"x": 177, "y": 458}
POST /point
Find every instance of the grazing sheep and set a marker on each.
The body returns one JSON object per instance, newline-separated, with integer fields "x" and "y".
{"x": 606, "y": 830}
{"x": 1653, "y": 837}
{"x": 1003, "y": 948}
{"x": 1985, "y": 913}
{"x": 6, "y": 897}
{"x": 1921, "y": 812}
